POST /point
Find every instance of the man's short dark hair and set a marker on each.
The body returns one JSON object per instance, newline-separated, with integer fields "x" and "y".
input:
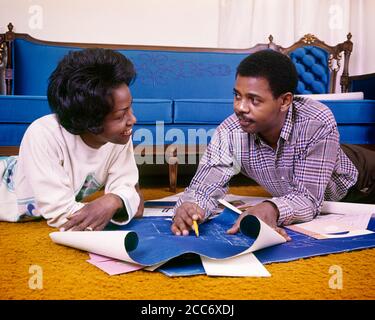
{"x": 274, "y": 66}
{"x": 80, "y": 88}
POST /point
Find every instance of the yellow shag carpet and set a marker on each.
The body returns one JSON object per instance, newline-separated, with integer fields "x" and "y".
{"x": 67, "y": 275}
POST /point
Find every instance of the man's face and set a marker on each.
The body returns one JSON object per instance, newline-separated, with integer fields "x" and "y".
{"x": 118, "y": 124}
{"x": 256, "y": 108}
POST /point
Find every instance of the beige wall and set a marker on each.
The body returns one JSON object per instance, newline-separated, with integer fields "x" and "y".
{"x": 147, "y": 22}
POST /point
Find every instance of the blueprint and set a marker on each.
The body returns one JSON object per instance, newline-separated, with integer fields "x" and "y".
{"x": 149, "y": 240}
{"x": 301, "y": 246}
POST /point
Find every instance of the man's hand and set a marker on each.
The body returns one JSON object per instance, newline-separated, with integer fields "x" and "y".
{"x": 94, "y": 215}
{"x": 184, "y": 216}
{"x": 267, "y": 212}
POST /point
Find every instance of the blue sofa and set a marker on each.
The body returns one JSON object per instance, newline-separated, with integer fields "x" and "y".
{"x": 364, "y": 83}
{"x": 178, "y": 91}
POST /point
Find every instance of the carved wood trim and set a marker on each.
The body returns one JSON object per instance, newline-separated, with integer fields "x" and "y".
{"x": 24, "y": 36}
{"x": 334, "y": 60}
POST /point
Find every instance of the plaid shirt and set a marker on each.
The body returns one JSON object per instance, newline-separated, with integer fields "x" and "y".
{"x": 307, "y": 167}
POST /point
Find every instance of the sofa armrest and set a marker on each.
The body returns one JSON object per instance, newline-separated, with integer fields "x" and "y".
{"x": 364, "y": 83}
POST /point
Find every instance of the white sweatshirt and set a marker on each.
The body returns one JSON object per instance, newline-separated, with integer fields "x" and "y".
{"x": 56, "y": 169}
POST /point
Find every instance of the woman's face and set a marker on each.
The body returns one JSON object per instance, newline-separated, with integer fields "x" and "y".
{"x": 118, "y": 124}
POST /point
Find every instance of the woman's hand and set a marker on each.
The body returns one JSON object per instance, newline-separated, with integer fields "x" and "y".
{"x": 95, "y": 215}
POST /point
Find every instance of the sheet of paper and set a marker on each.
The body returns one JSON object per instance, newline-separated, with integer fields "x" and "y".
{"x": 336, "y": 223}
{"x": 114, "y": 244}
{"x": 338, "y": 220}
{"x": 164, "y": 211}
{"x": 347, "y": 208}
{"x": 115, "y": 267}
{"x": 98, "y": 258}
{"x": 230, "y": 206}
{"x": 152, "y": 242}
{"x": 183, "y": 266}
{"x": 154, "y": 267}
{"x": 158, "y": 212}
{"x": 246, "y": 265}
{"x": 348, "y": 234}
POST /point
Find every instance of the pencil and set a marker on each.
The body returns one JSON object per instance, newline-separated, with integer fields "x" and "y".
{"x": 195, "y": 227}
{"x": 195, "y": 224}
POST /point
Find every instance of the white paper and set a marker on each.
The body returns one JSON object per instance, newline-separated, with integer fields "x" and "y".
{"x": 154, "y": 267}
{"x": 338, "y": 220}
{"x": 347, "y": 208}
{"x": 246, "y": 265}
{"x": 158, "y": 212}
{"x": 230, "y": 206}
{"x": 335, "y": 223}
{"x": 349, "y": 234}
{"x": 105, "y": 243}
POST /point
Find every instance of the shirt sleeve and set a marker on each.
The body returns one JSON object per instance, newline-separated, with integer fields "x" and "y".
{"x": 45, "y": 176}
{"x": 312, "y": 172}
{"x": 216, "y": 168}
{"x": 122, "y": 180}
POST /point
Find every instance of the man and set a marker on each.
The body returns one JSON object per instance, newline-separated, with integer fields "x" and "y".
{"x": 289, "y": 145}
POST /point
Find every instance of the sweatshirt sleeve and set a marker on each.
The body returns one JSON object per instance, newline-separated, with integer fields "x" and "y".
{"x": 50, "y": 185}
{"x": 122, "y": 179}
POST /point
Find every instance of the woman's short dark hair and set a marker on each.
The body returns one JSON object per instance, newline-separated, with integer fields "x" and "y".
{"x": 80, "y": 88}
{"x": 276, "y": 67}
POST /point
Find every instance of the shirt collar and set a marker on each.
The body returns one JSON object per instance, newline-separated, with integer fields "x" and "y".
{"x": 286, "y": 131}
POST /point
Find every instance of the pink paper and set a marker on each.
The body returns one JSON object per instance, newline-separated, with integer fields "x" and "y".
{"x": 113, "y": 267}
{"x": 98, "y": 258}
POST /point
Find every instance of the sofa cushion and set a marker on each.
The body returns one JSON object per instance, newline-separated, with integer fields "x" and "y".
{"x": 22, "y": 109}
{"x": 352, "y": 111}
{"x": 364, "y": 83}
{"x": 26, "y": 109}
{"x": 202, "y": 111}
{"x": 147, "y": 111}
{"x": 18, "y": 112}
{"x": 177, "y": 134}
{"x": 357, "y": 134}
{"x": 11, "y": 133}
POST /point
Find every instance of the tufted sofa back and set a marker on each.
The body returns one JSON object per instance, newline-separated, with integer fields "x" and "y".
{"x": 318, "y": 64}
{"x": 312, "y": 68}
